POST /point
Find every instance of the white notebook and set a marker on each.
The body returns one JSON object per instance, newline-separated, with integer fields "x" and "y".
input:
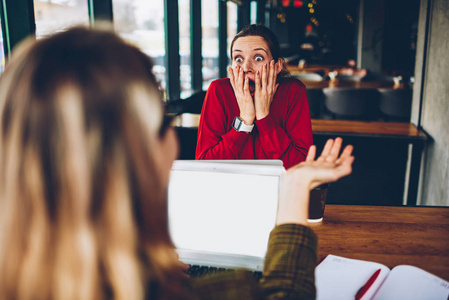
{"x": 340, "y": 278}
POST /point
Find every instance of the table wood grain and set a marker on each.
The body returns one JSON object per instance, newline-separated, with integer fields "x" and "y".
{"x": 392, "y": 236}
{"x": 363, "y": 127}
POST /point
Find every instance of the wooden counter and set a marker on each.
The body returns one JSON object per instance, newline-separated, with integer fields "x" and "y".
{"x": 396, "y": 129}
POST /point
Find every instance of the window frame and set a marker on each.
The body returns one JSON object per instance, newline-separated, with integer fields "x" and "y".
{"x": 18, "y": 22}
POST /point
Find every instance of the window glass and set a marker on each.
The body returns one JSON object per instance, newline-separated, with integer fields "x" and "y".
{"x": 184, "y": 48}
{"x": 56, "y": 15}
{"x": 209, "y": 19}
{"x": 141, "y": 22}
{"x": 2, "y": 52}
{"x": 253, "y": 15}
{"x": 232, "y": 26}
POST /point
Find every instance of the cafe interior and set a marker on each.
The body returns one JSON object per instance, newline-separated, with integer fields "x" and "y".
{"x": 370, "y": 69}
{"x": 375, "y": 72}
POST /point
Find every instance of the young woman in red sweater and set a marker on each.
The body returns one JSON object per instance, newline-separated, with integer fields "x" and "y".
{"x": 258, "y": 112}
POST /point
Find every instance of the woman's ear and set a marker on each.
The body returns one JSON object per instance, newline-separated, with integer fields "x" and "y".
{"x": 280, "y": 65}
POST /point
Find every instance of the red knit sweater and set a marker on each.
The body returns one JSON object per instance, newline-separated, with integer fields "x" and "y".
{"x": 286, "y": 133}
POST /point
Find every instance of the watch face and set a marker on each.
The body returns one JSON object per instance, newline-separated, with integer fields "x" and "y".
{"x": 240, "y": 126}
{"x": 237, "y": 123}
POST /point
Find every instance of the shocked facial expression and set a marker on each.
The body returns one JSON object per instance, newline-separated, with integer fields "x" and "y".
{"x": 251, "y": 53}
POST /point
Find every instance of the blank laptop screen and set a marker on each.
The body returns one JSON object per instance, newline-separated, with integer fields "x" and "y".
{"x": 223, "y": 212}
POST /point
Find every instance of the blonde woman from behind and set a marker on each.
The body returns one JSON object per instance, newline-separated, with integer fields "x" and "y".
{"x": 81, "y": 193}
{"x": 85, "y": 156}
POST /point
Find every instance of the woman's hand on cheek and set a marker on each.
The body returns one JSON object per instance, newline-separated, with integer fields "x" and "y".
{"x": 240, "y": 85}
{"x": 266, "y": 87}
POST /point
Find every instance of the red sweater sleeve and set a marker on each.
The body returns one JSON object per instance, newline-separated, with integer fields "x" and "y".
{"x": 292, "y": 141}
{"x": 215, "y": 140}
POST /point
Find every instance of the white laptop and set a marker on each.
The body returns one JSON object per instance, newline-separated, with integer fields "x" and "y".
{"x": 222, "y": 212}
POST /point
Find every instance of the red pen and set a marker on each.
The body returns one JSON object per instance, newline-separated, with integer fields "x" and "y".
{"x": 367, "y": 285}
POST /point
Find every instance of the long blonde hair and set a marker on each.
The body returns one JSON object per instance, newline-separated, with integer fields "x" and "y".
{"x": 83, "y": 213}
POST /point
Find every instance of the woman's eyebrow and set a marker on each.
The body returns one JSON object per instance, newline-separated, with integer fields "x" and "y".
{"x": 261, "y": 49}
{"x": 255, "y": 49}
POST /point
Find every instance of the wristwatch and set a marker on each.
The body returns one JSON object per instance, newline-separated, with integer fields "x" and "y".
{"x": 240, "y": 126}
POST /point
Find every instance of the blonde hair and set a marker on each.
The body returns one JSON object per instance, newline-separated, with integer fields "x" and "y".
{"x": 83, "y": 213}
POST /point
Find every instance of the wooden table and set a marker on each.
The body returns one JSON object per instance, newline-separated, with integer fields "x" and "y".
{"x": 403, "y": 132}
{"x": 312, "y": 68}
{"x": 395, "y": 130}
{"x": 392, "y": 236}
{"x": 322, "y": 126}
{"x": 336, "y": 83}
{"x": 320, "y": 84}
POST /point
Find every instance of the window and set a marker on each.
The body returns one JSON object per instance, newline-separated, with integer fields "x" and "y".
{"x": 141, "y": 22}
{"x": 209, "y": 18}
{"x": 253, "y": 16}
{"x": 56, "y": 15}
{"x": 2, "y": 52}
{"x": 184, "y": 47}
{"x": 232, "y": 26}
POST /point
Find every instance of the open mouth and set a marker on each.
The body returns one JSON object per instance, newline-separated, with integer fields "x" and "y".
{"x": 252, "y": 87}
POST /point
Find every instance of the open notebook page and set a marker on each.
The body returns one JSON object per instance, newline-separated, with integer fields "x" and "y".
{"x": 339, "y": 278}
{"x": 412, "y": 283}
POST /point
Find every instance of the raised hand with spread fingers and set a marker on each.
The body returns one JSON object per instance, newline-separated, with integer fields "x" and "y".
{"x": 300, "y": 179}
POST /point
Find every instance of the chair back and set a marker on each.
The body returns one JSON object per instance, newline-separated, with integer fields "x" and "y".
{"x": 395, "y": 104}
{"x": 315, "y": 98}
{"x": 352, "y": 103}
{"x": 192, "y": 104}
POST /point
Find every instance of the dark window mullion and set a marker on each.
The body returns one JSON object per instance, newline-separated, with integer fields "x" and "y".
{"x": 243, "y": 14}
{"x": 17, "y": 22}
{"x": 172, "y": 60}
{"x": 222, "y": 39}
{"x": 100, "y": 10}
{"x": 261, "y": 12}
{"x": 196, "y": 61}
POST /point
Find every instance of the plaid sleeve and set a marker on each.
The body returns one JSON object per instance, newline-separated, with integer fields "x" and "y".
{"x": 289, "y": 271}
{"x": 239, "y": 284}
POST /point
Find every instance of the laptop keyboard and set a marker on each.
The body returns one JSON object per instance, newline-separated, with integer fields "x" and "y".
{"x": 197, "y": 271}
